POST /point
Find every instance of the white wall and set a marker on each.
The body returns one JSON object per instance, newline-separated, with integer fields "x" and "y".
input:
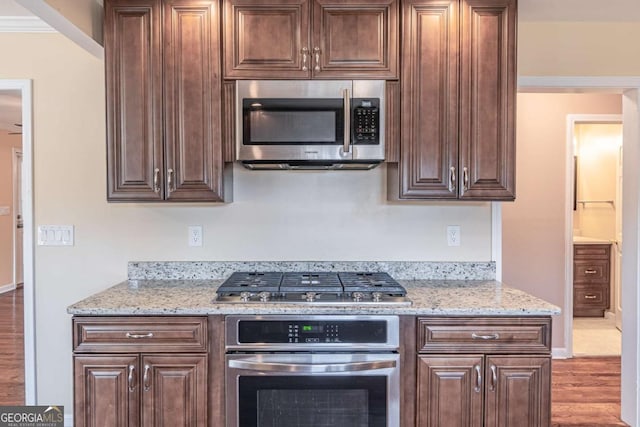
{"x": 341, "y": 215}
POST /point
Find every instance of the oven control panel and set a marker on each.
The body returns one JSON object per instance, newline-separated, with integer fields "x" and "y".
{"x": 311, "y": 332}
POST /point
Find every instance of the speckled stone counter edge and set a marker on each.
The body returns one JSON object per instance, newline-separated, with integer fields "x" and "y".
{"x": 400, "y": 270}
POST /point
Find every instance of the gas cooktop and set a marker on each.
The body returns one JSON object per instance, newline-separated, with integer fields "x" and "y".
{"x": 322, "y": 288}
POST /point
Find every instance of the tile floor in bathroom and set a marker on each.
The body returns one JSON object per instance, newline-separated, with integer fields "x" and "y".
{"x": 596, "y": 336}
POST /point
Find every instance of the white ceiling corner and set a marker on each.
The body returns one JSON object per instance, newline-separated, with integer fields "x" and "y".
{"x": 16, "y": 19}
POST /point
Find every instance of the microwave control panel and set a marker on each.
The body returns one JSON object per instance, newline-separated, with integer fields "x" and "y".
{"x": 365, "y": 125}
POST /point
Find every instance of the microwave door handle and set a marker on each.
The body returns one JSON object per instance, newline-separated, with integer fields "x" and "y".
{"x": 312, "y": 368}
{"x": 347, "y": 120}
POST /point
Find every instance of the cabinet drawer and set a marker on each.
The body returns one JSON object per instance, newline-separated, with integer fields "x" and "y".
{"x": 140, "y": 334}
{"x": 591, "y": 271}
{"x": 591, "y": 251}
{"x": 504, "y": 335}
{"x": 590, "y": 297}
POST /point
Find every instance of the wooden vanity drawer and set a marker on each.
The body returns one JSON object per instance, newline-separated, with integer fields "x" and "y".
{"x": 504, "y": 335}
{"x": 140, "y": 334}
{"x": 591, "y": 251}
{"x": 590, "y": 300}
{"x": 590, "y": 271}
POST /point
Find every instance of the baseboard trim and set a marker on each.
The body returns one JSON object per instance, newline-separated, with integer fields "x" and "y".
{"x": 6, "y": 288}
{"x": 560, "y": 353}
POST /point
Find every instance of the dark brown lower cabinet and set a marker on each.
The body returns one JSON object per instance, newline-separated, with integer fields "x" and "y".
{"x": 141, "y": 390}
{"x": 478, "y": 390}
{"x": 140, "y": 371}
{"x": 483, "y": 372}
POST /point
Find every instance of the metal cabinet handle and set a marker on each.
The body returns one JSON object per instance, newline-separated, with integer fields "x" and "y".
{"x": 485, "y": 337}
{"x": 465, "y": 179}
{"x": 138, "y": 336}
{"x": 347, "y": 120}
{"x": 590, "y": 271}
{"x": 156, "y": 179}
{"x": 305, "y": 52}
{"x": 316, "y": 51}
{"x": 494, "y": 378}
{"x": 145, "y": 378}
{"x": 170, "y": 180}
{"x": 478, "y": 386}
{"x": 590, "y": 296}
{"x": 452, "y": 178}
{"x": 131, "y": 379}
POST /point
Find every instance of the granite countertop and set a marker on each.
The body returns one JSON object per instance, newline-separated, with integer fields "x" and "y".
{"x": 582, "y": 240}
{"x": 429, "y": 297}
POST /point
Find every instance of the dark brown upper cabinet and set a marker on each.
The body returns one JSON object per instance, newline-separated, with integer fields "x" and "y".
{"x": 288, "y": 39}
{"x": 163, "y": 90}
{"x": 458, "y": 87}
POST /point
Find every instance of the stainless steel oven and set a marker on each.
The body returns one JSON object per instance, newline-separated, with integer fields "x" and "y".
{"x": 312, "y": 371}
{"x": 320, "y": 124}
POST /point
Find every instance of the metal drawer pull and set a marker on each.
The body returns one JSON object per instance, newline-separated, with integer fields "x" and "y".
{"x": 305, "y": 52}
{"x": 145, "y": 378}
{"x": 590, "y": 271}
{"x": 138, "y": 336}
{"x": 156, "y": 174}
{"x": 131, "y": 378}
{"x": 478, "y": 386}
{"x": 485, "y": 337}
{"x": 316, "y": 51}
{"x": 494, "y": 378}
{"x": 170, "y": 185}
{"x": 452, "y": 179}
{"x": 590, "y": 296}
{"x": 465, "y": 179}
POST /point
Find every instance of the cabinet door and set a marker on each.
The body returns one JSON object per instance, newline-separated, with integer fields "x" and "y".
{"x": 133, "y": 76}
{"x": 193, "y": 146}
{"x": 265, "y": 39}
{"x": 450, "y": 391}
{"x": 106, "y": 391}
{"x": 429, "y": 109}
{"x": 518, "y": 391}
{"x": 487, "y": 99}
{"x": 355, "y": 38}
{"x": 174, "y": 390}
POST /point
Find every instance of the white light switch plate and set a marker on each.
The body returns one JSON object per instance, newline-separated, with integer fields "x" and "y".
{"x": 4, "y": 210}
{"x": 55, "y": 235}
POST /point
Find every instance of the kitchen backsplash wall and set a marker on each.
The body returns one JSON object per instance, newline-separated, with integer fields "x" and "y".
{"x": 400, "y": 270}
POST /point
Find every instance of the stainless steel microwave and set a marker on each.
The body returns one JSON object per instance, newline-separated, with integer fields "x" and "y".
{"x": 310, "y": 124}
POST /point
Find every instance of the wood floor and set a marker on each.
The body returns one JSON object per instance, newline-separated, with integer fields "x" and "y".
{"x": 11, "y": 348}
{"x": 585, "y": 391}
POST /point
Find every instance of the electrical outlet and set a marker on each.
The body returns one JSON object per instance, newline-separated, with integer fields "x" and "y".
{"x": 453, "y": 235}
{"x": 195, "y": 235}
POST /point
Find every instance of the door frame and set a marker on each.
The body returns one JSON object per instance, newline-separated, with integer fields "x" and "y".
{"x": 629, "y": 87}
{"x": 25, "y": 86}
{"x": 572, "y": 120}
{"x": 15, "y": 153}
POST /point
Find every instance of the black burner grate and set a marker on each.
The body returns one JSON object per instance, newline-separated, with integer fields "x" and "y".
{"x": 371, "y": 282}
{"x": 311, "y": 282}
{"x": 251, "y": 282}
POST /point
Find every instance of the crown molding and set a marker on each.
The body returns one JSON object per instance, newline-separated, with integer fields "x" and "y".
{"x": 24, "y": 24}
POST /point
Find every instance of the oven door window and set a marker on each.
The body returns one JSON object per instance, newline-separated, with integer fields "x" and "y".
{"x": 312, "y": 401}
{"x": 292, "y": 121}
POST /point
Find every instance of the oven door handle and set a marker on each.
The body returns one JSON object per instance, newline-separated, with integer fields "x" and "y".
{"x": 312, "y": 367}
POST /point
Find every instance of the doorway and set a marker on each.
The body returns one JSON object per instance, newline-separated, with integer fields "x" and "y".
{"x": 16, "y": 95}
{"x": 596, "y": 227}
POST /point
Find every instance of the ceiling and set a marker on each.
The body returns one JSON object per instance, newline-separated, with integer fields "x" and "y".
{"x": 11, "y": 8}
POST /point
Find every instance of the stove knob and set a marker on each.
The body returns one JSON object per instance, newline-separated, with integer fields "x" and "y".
{"x": 244, "y": 296}
{"x": 357, "y": 296}
{"x": 377, "y": 296}
{"x": 264, "y": 296}
{"x": 310, "y": 296}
